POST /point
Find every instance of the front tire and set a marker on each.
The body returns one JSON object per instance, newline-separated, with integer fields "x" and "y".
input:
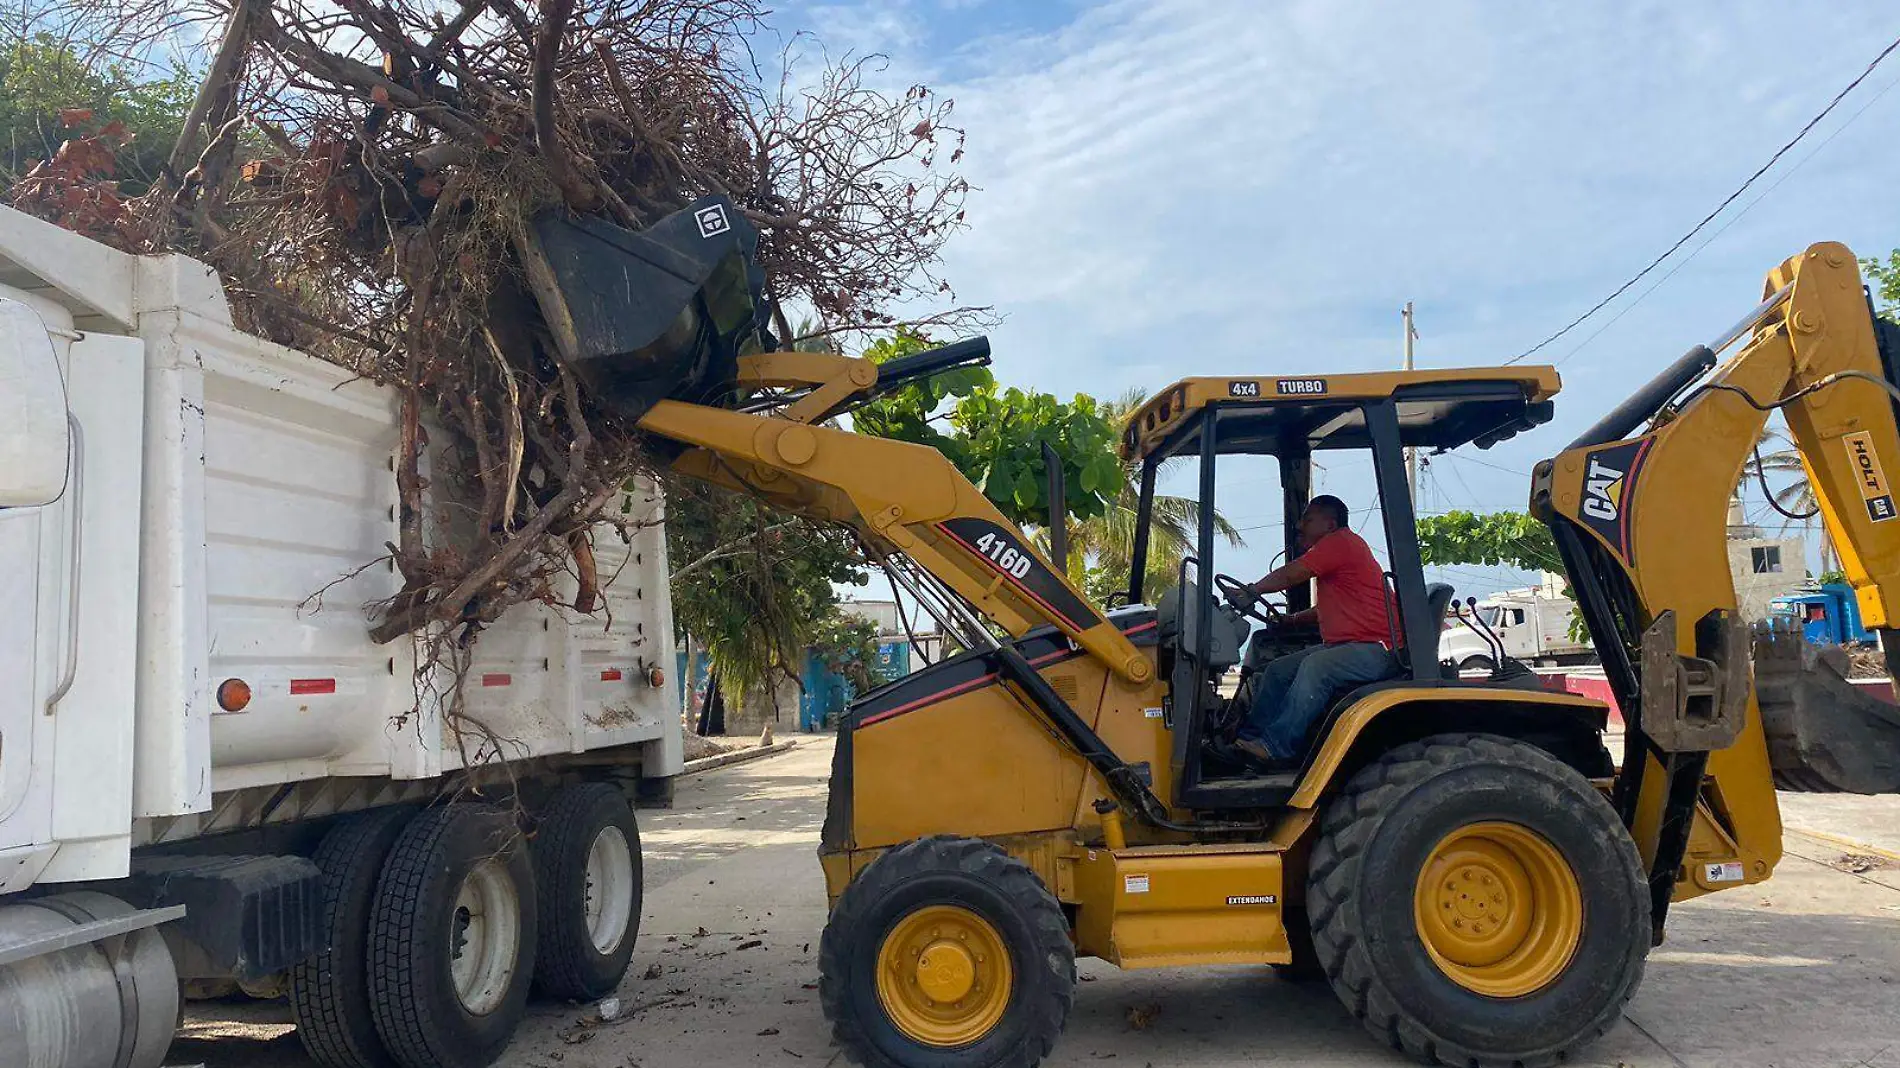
{"x": 947, "y": 953}
{"x": 1476, "y": 902}
{"x": 451, "y": 949}
{"x": 587, "y": 880}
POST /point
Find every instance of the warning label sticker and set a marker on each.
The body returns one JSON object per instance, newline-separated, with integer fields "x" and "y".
{"x": 1135, "y": 884}
{"x": 1726, "y": 873}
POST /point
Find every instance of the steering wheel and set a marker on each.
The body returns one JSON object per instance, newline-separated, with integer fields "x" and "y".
{"x": 1241, "y": 597}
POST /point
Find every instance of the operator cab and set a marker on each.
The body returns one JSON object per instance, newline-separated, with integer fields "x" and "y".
{"x": 1206, "y": 623}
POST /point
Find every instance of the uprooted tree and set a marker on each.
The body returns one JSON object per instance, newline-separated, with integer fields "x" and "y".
{"x": 363, "y": 174}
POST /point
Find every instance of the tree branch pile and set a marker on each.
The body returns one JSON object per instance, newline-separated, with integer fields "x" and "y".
{"x": 363, "y": 172}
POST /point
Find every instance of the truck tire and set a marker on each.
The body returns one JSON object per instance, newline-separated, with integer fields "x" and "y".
{"x": 1477, "y": 663}
{"x": 329, "y": 993}
{"x": 1477, "y": 903}
{"x": 451, "y": 945}
{"x": 587, "y": 880}
{"x": 1005, "y": 967}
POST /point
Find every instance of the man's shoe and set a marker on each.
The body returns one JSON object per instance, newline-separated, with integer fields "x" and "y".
{"x": 1260, "y": 758}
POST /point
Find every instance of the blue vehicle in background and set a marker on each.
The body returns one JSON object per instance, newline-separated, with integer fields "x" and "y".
{"x": 1827, "y": 616}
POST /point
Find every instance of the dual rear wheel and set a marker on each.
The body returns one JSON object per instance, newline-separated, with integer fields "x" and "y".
{"x": 439, "y": 921}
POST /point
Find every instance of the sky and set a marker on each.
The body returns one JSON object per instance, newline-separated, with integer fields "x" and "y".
{"x": 1171, "y": 188}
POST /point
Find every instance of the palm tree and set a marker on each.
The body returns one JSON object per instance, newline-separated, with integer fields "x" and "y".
{"x": 1102, "y": 548}
{"x": 1795, "y": 501}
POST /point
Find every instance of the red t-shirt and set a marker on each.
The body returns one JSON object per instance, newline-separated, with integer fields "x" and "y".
{"x": 1352, "y": 597}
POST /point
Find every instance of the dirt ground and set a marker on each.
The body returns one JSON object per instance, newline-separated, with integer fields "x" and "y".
{"x": 1802, "y": 972}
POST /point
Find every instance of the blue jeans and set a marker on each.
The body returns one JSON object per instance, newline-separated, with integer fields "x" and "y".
{"x": 1293, "y": 691}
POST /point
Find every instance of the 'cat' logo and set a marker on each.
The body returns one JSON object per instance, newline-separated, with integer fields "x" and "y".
{"x": 1602, "y": 491}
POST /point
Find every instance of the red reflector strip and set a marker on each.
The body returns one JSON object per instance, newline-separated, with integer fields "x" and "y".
{"x": 497, "y": 680}
{"x": 610, "y": 675}
{"x": 312, "y": 685}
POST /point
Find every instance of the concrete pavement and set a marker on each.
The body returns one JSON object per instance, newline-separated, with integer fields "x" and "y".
{"x": 1803, "y": 971}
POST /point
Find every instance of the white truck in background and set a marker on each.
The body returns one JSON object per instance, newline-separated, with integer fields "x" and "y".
{"x": 1532, "y": 624}
{"x": 206, "y": 775}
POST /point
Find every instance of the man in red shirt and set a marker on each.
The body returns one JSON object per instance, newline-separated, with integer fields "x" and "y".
{"x": 1356, "y": 623}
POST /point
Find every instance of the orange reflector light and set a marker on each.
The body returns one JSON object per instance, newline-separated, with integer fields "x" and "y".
{"x": 656, "y": 678}
{"x": 234, "y": 695}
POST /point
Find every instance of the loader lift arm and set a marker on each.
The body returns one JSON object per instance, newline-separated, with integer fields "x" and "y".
{"x": 1638, "y": 507}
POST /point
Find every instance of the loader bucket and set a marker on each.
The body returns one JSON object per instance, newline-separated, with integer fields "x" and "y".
{"x": 660, "y": 313}
{"x": 1825, "y": 735}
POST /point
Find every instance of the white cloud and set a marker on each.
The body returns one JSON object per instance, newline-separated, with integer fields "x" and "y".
{"x": 1179, "y": 187}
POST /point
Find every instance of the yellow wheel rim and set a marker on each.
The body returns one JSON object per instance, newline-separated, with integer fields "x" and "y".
{"x": 944, "y": 976}
{"x": 1499, "y": 909}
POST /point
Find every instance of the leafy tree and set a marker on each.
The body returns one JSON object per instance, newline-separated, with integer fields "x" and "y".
{"x": 1511, "y": 539}
{"x": 995, "y": 436}
{"x": 754, "y": 587}
{"x": 1102, "y": 547}
{"x": 1884, "y": 277}
{"x": 49, "y": 96}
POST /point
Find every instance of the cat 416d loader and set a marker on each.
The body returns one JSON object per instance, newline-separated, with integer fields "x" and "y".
{"x": 1462, "y": 859}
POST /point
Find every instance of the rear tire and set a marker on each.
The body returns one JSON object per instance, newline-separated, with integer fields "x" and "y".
{"x": 587, "y": 880}
{"x": 329, "y": 993}
{"x": 950, "y": 898}
{"x": 451, "y": 950}
{"x": 1548, "y": 969}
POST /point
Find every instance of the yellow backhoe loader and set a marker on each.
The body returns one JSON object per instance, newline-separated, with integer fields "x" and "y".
{"x": 1462, "y": 859}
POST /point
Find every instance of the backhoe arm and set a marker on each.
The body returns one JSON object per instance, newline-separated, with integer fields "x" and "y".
{"x": 1639, "y": 506}
{"x": 897, "y": 495}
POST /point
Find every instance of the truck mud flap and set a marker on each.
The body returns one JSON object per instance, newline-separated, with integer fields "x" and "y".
{"x": 1825, "y": 735}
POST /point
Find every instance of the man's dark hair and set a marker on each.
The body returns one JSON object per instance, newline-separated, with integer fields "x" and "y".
{"x": 1326, "y": 502}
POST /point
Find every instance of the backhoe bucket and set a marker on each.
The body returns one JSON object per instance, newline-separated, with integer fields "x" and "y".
{"x": 661, "y": 313}
{"x": 1825, "y": 735}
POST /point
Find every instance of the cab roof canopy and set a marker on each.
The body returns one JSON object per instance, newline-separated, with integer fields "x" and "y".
{"x": 1437, "y": 409}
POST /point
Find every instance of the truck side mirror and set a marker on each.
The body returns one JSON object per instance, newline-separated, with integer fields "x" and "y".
{"x": 34, "y": 444}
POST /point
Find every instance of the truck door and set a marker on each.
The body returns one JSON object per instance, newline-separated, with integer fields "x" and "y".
{"x": 34, "y": 510}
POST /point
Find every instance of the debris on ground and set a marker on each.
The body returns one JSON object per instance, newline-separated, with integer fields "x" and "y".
{"x": 1142, "y": 1017}
{"x": 654, "y": 971}
{"x": 1855, "y": 863}
{"x": 699, "y": 747}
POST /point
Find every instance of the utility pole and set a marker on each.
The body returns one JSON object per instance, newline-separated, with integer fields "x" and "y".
{"x": 1411, "y": 455}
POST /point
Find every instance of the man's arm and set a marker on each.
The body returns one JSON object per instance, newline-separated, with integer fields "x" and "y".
{"x": 1284, "y": 578}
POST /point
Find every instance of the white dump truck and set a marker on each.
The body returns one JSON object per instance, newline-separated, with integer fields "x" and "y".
{"x": 1532, "y": 624}
{"x": 207, "y": 773}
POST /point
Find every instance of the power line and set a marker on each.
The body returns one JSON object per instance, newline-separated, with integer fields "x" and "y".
{"x": 1730, "y": 221}
{"x": 1719, "y": 208}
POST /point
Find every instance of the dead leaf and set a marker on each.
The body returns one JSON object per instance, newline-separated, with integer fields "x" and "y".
{"x": 654, "y": 971}
{"x": 700, "y": 932}
{"x": 754, "y": 944}
{"x": 575, "y": 1038}
{"x": 922, "y": 129}
{"x": 1142, "y": 1017}
{"x": 768, "y": 1031}
{"x": 74, "y": 116}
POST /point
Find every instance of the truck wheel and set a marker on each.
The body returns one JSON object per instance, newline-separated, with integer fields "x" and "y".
{"x": 587, "y": 879}
{"x": 451, "y": 948}
{"x": 329, "y": 993}
{"x": 1477, "y": 663}
{"x": 1475, "y": 902}
{"x": 947, "y": 953}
